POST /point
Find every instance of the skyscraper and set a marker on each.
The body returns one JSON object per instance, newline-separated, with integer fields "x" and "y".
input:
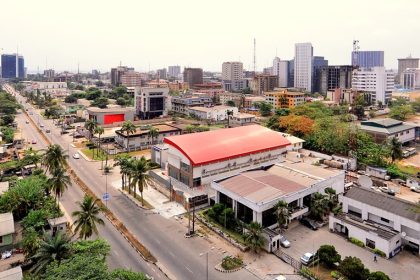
{"x": 281, "y": 70}
{"x": 333, "y": 77}
{"x": 12, "y": 66}
{"x": 405, "y": 63}
{"x": 367, "y": 59}
{"x": 318, "y": 62}
{"x": 232, "y": 75}
{"x": 303, "y": 66}
{"x": 174, "y": 71}
{"x": 193, "y": 76}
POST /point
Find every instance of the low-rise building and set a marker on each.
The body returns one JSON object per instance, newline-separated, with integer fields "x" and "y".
{"x": 7, "y": 229}
{"x": 216, "y": 113}
{"x": 284, "y": 99}
{"x": 182, "y": 104}
{"x": 263, "y": 83}
{"x": 235, "y": 97}
{"x": 250, "y": 100}
{"x": 110, "y": 115}
{"x": 295, "y": 143}
{"x": 55, "y": 89}
{"x": 379, "y": 220}
{"x": 385, "y": 129}
{"x": 241, "y": 119}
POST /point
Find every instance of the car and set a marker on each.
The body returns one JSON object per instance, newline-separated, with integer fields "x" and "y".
{"x": 47, "y": 131}
{"x": 6, "y": 255}
{"x": 280, "y": 277}
{"x": 284, "y": 242}
{"x": 415, "y": 189}
{"x": 76, "y": 156}
{"x": 41, "y": 125}
{"x": 309, "y": 223}
{"x": 34, "y": 141}
{"x": 307, "y": 258}
{"x": 27, "y": 122}
{"x": 391, "y": 192}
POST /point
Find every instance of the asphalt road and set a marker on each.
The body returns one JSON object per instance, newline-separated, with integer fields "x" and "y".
{"x": 182, "y": 257}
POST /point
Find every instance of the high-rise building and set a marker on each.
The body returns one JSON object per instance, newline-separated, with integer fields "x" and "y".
{"x": 281, "y": 70}
{"x": 405, "y": 63}
{"x": 174, "y": 71}
{"x": 232, "y": 76}
{"x": 291, "y": 73}
{"x": 376, "y": 81}
{"x": 12, "y": 66}
{"x": 367, "y": 59}
{"x": 193, "y": 76}
{"x": 263, "y": 83}
{"x": 116, "y": 74}
{"x": 162, "y": 73}
{"x": 131, "y": 79}
{"x": 49, "y": 73}
{"x": 333, "y": 77}
{"x": 303, "y": 66}
{"x": 411, "y": 78}
{"x": 151, "y": 102}
{"x": 318, "y": 62}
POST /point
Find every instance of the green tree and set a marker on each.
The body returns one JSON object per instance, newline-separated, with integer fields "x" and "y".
{"x": 353, "y": 269}
{"x": 31, "y": 156}
{"x": 122, "y": 160}
{"x": 282, "y": 213}
{"x": 97, "y": 247}
{"x": 319, "y": 206}
{"x": 128, "y": 128}
{"x": 230, "y": 103}
{"x": 87, "y": 217}
{"x": 395, "y": 149}
{"x": 121, "y": 101}
{"x": 331, "y": 198}
{"x": 122, "y": 274}
{"x": 264, "y": 108}
{"x": 31, "y": 242}
{"x": 328, "y": 255}
{"x": 58, "y": 182}
{"x": 52, "y": 248}
{"x": 416, "y": 105}
{"x": 153, "y": 133}
{"x": 70, "y": 99}
{"x": 90, "y": 126}
{"x": 378, "y": 275}
{"x": 401, "y": 112}
{"x": 101, "y": 102}
{"x": 253, "y": 236}
{"x": 99, "y": 130}
{"x": 139, "y": 173}
{"x": 54, "y": 158}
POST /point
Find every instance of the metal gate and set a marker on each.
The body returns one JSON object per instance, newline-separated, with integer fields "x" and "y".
{"x": 288, "y": 259}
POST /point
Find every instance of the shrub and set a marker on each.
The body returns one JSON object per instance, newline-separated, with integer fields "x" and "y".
{"x": 306, "y": 272}
{"x": 328, "y": 255}
{"x": 357, "y": 242}
{"x": 353, "y": 269}
{"x": 215, "y": 211}
{"x": 378, "y": 275}
{"x": 229, "y": 262}
{"x": 335, "y": 274}
{"x": 379, "y": 253}
{"x": 227, "y": 217}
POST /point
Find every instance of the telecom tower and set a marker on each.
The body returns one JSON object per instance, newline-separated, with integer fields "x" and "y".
{"x": 255, "y": 56}
{"x": 355, "y": 55}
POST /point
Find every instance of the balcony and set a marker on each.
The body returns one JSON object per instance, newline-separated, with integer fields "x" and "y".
{"x": 299, "y": 211}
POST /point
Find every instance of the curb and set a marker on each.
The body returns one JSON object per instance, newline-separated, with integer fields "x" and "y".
{"x": 219, "y": 268}
{"x": 133, "y": 199}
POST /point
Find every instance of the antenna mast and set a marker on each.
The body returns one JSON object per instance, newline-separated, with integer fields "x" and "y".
{"x": 356, "y": 49}
{"x": 255, "y": 56}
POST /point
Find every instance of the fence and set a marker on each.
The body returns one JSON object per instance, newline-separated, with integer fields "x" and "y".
{"x": 288, "y": 259}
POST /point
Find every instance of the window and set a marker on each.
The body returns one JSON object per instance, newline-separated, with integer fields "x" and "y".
{"x": 1, "y": 239}
{"x": 384, "y": 220}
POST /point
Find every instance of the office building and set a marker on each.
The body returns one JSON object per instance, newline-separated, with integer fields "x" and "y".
{"x": 215, "y": 113}
{"x": 151, "y": 102}
{"x": 182, "y": 104}
{"x": 232, "y": 76}
{"x": 376, "y": 81}
{"x": 333, "y": 77}
{"x": 284, "y": 99}
{"x": 405, "y": 63}
{"x": 281, "y": 70}
{"x": 318, "y": 63}
{"x": 131, "y": 79}
{"x": 263, "y": 83}
{"x": 193, "y": 76}
{"x": 110, "y": 115}
{"x": 411, "y": 79}
{"x": 367, "y": 59}
{"x": 291, "y": 73}
{"x": 49, "y": 73}
{"x": 116, "y": 74}
{"x": 55, "y": 89}
{"x": 161, "y": 73}
{"x": 174, "y": 71}
{"x": 303, "y": 66}
{"x": 12, "y": 66}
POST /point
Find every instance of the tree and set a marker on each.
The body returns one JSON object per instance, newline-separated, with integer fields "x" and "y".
{"x": 313, "y": 110}
{"x": 122, "y": 274}
{"x": 247, "y": 90}
{"x": 282, "y": 213}
{"x": 121, "y": 101}
{"x": 395, "y": 149}
{"x": 70, "y": 99}
{"x": 52, "y": 248}
{"x": 230, "y": 103}
{"x": 189, "y": 129}
{"x": 318, "y": 206}
{"x": 122, "y": 160}
{"x": 328, "y": 255}
{"x": 416, "y": 105}
{"x": 54, "y": 158}
{"x": 139, "y": 173}
{"x": 31, "y": 156}
{"x": 353, "y": 269}
{"x": 401, "y": 112}
{"x": 331, "y": 198}
{"x": 90, "y": 126}
{"x": 378, "y": 275}
{"x": 101, "y": 102}
{"x": 264, "y": 108}
{"x": 298, "y": 126}
{"x": 87, "y": 217}
{"x": 128, "y": 128}
{"x": 59, "y": 182}
{"x": 153, "y": 133}
{"x": 31, "y": 242}
{"x": 99, "y": 130}
{"x": 97, "y": 247}
{"x": 227, "y": 218}
{"x": 253, "y": 236}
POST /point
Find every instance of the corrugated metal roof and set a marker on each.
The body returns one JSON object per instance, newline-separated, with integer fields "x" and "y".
{"x": 7, "y": 225}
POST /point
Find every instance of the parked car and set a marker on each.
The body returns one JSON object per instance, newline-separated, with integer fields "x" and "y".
{"x": 47, "y": 131}
{"x": 309, "y": 223}
{"x": 6, "y": 255}
{"x": 27, "y": 122}
{"x": 41, "y": 125}
{"x": 76, "y": 156}
{"x": 284, "y": 242}
{"x": 391, "y": 192}
{"x": 280, "y": 277}
{"x": 307, "y": 258}
{"x": 415, "y": 189}
{"x": 34, "y": 141}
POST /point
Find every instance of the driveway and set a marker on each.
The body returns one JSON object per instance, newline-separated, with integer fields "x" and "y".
{"x": 302, "y": 239}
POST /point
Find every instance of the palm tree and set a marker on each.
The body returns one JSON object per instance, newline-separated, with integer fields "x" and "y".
{"x": 139, "y": 173}
{"x": 253, "y": 237}
{"x": 90, "y": 125}
{"x": 52, "y": 248}
{"x": 229, "y": 113}
{"x": 99, "y": 130}
{"x": 32, "y": 156}
{"x": 331, "y": 197}
{"x": 59, "y": 182}
{"x": 318, "y": 206}
{"x": 87, "y": 217}
{"x": 153, "y": 133}
{"x": 395, "y": 149}
{"x": 54, "y": 158}
{"x": 129, "y": 128}
{"x": 122, "y": 161}
{"x": 282, "y": 213}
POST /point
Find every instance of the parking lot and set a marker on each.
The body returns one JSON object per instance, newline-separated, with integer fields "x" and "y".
{"x": 302, "y": 239}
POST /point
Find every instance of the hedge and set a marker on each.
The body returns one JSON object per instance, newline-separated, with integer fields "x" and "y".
{"x": 357, "y": 242}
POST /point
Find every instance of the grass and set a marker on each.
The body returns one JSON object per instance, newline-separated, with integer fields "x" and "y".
{"x": 321, "y": 272}
{"x": 90, "y": 154}
{"x": 409, "y": 169}
{"x": 146, "y": 204}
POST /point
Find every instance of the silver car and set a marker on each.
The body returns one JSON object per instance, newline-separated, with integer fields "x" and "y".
{"x": 284, "y": 242}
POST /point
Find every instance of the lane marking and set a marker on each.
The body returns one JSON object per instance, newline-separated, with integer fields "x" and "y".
{"x": 189, "y": 269}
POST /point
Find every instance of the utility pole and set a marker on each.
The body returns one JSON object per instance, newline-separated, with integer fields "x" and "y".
{"x": 255, "y": 56}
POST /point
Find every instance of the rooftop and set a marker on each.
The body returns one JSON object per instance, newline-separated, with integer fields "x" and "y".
{"x": 222, "y": 144}
{"x": 12, "y": 274}
{"x": 7, "y": 225}
{"x": 292, "y": 139}
{"x": 382, "y": 122}
{"x": 4, "y": 187}
{"x": 209, "y": 109}
{"x": 386, "y": 126}
{"x": 385, "y": 202}
{"x": 162, "y": 128}
{"x": 109, "y": 110}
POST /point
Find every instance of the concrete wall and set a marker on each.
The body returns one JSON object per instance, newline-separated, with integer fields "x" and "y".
{"x": 7, "y": 240}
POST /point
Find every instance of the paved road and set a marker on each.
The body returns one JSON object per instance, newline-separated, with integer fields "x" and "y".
{"x": 122, "y": 254}
{"x": 163, "y": 237}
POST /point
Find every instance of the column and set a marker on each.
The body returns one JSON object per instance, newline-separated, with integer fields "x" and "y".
{"x": 217, "y": 198}
{"x": 235, "y": 207}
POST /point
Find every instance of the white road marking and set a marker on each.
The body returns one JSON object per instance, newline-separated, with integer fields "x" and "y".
{"x": 172, "y": 254}
{"x": 189, "y": 269}
{"x": 116, "y": 253}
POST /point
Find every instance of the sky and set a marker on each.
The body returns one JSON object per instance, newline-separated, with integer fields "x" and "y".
{"x": 99, "y": 34}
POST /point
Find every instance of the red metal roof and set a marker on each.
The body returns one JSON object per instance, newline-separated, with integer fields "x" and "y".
{"x": 218, "y": 145}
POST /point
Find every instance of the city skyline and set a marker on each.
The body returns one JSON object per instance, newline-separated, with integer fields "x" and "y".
{"x": 126, "y": 32}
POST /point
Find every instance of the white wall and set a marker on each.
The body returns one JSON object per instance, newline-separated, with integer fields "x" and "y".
{"x": 404, "y": 137}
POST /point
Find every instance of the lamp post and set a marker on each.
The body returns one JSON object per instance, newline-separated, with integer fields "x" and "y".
{"x": 207, "y": 263}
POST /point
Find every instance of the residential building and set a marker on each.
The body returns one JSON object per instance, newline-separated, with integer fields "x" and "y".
{"x": 379, "y": 220}
{"x": 174, "y": 71}
{"x": 263, "y": 83}
{"x": 376, "y": 81}
{"x": 367, "y": 59}
{"x": 250, "y": 100}
{"x": 151, "y": 102}
{"x": 303, "y": 66}
{"x": 141, "y": 138}
{"x": 182, "y": 104}
{"x": 296, "y": 144}
{"x": 12, "y": 66}
{"x": 318, "y": 63}
{"x": 178, "y": 86}
{"x": 333, "y": 77}
{"x": 281, "y": 70}
{"x": 162, "y": 73}
{"x": 236, "y": 97}
{"x": 131, "y": 79}
{"x": 55, "y": 89}
{"x": 7, "y": 229}
{"x": 406, "y": 63}
{"x": 108, "y": 116}
{"x": 49, "y": 73}
{"x": 241, "y": 119}
{"x": 193, "y": 76}
{"x": 248, "y": 147}
{"x": 385, "y": 129}
{"x": 232, "y": 76}
{"x": 116, "y": 74}
{"x": 410, "y": 78}
{"x": 216, "y": 113}
{"x": 284, "y": 98}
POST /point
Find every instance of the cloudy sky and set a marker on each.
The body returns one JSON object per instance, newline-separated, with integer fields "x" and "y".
{"x": 143, "y": 33}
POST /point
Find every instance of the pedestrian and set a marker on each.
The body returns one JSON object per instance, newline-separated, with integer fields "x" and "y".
{"x": 375, "y": 257}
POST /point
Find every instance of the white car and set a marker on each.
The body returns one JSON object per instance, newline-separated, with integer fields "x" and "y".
{"x": 41, "y": 125}
{"x": 280, "y": 277}
{"x": 284, "y": 242}
{"x": 76, "y": 156}
{"x": 307, "y": 258}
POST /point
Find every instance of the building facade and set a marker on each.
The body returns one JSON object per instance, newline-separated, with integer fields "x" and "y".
{"x": 131, "y": 79}
{"x": 405, "y": 63}
{"x": 367, "y": 59}
{"x": 318, "y": 64}
{"x": 174, "y": 71}
{"x": 281, "y": 70}
{"x": 55, "y": 89}
{"x": 182, "y": 104}
{"x": 116, "y": 74}
{"x": 216, "y": 113}
{"x": 12, "y": 66}
{"x": 193, "y": 76}
{"x": 376, "y": 81}
{"x": 151, "y": 102}
{"x": 49, "y": 73}
{"x": 333, "y": 77}
{"x": 383, "y": 130}
{"x": 411, "y": 78}
{"x": 232, "y": 76}
{"x": 284, "y": 99}
{"x": 263, "y": 83}
{"x": 303, "y": 66}
{"x": 110, "y": 115}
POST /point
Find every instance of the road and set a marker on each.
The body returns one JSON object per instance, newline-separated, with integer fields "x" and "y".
{"x": 122, "y": 255}
{"x": 163, "y": 237}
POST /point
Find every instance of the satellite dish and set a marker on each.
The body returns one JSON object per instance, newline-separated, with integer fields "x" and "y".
{"x": 365, "y": 181}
